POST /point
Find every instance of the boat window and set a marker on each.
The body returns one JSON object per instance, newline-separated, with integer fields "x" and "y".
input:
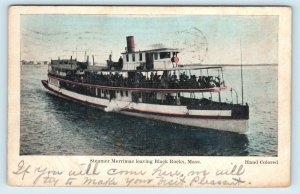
{"x": 121, "y": 92}
{"x": 141, "y": 56}
{"x": 164, "y": 55}
{"x": 155, "y": 56}
{"x": 133, "y": 57}
{"x": 126, "y": 93}
{"x": 127, "y": 58}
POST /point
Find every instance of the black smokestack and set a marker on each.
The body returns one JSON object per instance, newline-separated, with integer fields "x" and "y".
{"x": 130, "y": 44}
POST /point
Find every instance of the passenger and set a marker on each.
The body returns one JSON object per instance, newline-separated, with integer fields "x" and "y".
{"x": 193, "y": 81}
{"x": 185, "y": 77}
{"x": 110, "y": 57}
{"x": 218, "y": 81}
{"x": 181, "y": 77}
{"x": 174, "y": 80}
{"x": 164, "y": 80}
{"x": 156, "y": 77}
{"x": 210, "y": 82}
{"x": 174, "y": 77}
{"x": 120, "y": 63}
{"x": 169, "y": 99}
{"x": 200, "y": 82}
{"x": 151, "y": 76}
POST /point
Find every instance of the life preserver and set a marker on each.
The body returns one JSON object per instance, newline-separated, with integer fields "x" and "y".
{"x": 175, "y": 59}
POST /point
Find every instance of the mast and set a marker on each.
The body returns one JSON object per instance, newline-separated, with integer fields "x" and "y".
{"x": 76, "y": 52}
{"x": 242, "y": 84}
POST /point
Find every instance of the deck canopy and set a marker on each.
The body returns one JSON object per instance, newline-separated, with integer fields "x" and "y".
{"x": 184, "y": 68}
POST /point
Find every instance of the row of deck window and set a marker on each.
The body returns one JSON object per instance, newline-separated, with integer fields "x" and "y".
{"x": 133, "y": 57}
{"x": 162, "y": 55}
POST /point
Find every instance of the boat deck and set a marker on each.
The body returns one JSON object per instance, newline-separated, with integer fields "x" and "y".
{"x": 147, "y": 86}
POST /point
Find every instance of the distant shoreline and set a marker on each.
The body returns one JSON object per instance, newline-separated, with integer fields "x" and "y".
{"x": 35, "y": 65}
{"x": 233, "y": 65}
{"x": 205, "y": 65}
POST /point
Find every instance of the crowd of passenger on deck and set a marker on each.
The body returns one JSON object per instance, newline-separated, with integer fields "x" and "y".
{"x": 152, "y": 80}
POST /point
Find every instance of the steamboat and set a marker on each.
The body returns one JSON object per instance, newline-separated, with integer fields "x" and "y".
{"x": 150, "y": 84}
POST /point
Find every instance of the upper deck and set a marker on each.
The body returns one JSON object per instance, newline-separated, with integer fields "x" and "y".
{"x": 198, "y": 79}
{"x": 154, "y": 70}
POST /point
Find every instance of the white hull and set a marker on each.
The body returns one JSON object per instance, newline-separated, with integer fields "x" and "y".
{"x": 167, "y": 113}
{"x": 237, "y": 126}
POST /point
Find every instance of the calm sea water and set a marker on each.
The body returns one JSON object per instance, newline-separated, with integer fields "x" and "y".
{"x": 54, "y": 126}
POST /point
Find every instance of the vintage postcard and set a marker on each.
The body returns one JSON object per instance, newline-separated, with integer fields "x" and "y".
{"x": 149, "y": 96}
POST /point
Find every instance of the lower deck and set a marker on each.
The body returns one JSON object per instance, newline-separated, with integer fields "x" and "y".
{"x": 152, "y": 102}
{"x": 211, "y": 119}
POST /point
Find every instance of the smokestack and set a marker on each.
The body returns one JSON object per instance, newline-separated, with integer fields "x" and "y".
{"x": 130, "y": 44}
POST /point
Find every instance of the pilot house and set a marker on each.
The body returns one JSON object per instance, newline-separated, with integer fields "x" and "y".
{"x": 162, "y": 58}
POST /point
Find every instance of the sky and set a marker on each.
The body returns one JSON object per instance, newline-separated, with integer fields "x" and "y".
{"x": 201, "y": 39}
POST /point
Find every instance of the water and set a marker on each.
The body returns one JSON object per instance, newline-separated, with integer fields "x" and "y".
{"x": 54, "y": 126}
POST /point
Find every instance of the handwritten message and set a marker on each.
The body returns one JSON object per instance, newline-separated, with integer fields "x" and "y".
{"x": 109, "y": 173}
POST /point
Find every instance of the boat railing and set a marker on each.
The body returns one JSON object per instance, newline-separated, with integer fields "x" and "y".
{"x": 204, "y": 82}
